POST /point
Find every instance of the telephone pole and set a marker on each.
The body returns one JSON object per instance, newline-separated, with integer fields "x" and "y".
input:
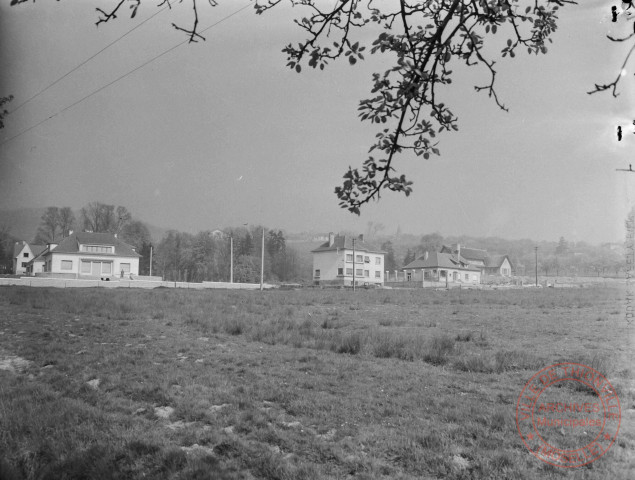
{"x": 536, "y": 250}
{"x": 231, "y": 259}
{"x": 353, "y": 263}
{"x": 262, "y": 259}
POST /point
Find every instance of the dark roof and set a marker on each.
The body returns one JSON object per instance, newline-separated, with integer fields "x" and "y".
{"x": 495, "y": 261}
{"x": 71, "y": 244}
{"x": 346, "y": 242}
{"x": 439, "y": 260}
{"x": 35, "y": 249}
{"x": 467, "y": 253}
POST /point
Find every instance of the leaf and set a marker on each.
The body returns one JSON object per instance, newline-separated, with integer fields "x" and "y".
{"x": 493, "y": 28}
{"x": 298, "y": 68}
{"x": 352, "y": 60}
{"x": 509, "y": 42}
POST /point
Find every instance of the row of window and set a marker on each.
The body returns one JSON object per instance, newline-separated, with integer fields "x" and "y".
{"x": 360, "y": 272}
{"x": 97, "y": 249}
{"x": 362, "y": 259}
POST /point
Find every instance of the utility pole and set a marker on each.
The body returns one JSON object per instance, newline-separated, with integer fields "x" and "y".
{"x": 353, "y": 263}
{"x": 536, "y": 250}
{"x": 231, "y": 259}
{"x": 150, "y": 260}
{"x": 262, "y": 259}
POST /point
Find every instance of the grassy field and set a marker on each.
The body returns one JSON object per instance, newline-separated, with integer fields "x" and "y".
{"x": 303, "y": 384}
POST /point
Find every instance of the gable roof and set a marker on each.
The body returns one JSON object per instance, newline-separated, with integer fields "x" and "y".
{"x": 495, "y": 261}
{"x": 467, "y": 253}
{"x": 71, "y": 244}
{"x": 346, "y": 242}
{"x": 35, "y": 249}
{"x": 439, "y": 260}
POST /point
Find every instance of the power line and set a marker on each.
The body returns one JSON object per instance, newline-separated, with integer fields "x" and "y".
{"x": 85, "y": 62}
{"x": 119, "y": 78}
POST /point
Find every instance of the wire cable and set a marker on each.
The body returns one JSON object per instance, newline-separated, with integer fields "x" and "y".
{"x": 85, "y": 61}
{"x": 119, "y": 78}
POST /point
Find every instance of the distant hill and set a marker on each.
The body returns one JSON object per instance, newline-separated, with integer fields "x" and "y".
{"x": 24, "y": 222}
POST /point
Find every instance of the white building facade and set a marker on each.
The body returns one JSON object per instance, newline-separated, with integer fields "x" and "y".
{"x": 344, "y": 260}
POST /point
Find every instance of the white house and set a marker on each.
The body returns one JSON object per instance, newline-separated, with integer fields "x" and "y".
{"x": 335, "y": 261}
{"x": 499, "y": 265}
{"x": 91, "y": 255}
{"x": 442, "y": 267}
{"x": 23, "y": 253}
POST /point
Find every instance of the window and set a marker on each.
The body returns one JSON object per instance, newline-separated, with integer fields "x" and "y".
{"x": 97, "y": 249}
{"x": 340, "y": 271}
{"x": 349, "y": 271}
{"x": 377, "y": 261}
{"x": 89, "y": 267}
{"x": 367, "y": 273}
{"x": 67, "y": 264}
{"x": 349, "y": 257}
{"x": 359, "y": 258}
{"x": 126, "y": 267}
{"x": 317, "y": 274}
{"x": 359, "y": 272}
{"x": 409, "y": 276}
{"x": 24, "y": 264}
{"x": 443, "y": 273}
{"x": 467, "y": 277}
{"x": 377, "y": 274}
{"x": 25, "y": 255}
{"x": 366, "y": 259}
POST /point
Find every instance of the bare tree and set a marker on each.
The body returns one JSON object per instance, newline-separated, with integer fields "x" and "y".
{"x": 49, "y": 229}
{"x": 66, "y": 221}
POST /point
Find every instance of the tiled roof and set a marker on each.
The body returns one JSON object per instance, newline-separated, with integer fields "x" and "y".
{"x": 467, "y": 253}
{"x": 346, "y": 242}
{"x": 35, "y": 249}
{"x": 495, "y": 261}
{"x": 439, "y": 260}
{"x": 71, "y": 244}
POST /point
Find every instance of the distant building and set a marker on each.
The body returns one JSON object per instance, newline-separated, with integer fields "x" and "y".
{"x": 91, "y": 255}
{"x": 442, "y": 267}
{"x": 335, "y": 261}
{"x": 23, "y": 253}
{"x": 499, "y": 265}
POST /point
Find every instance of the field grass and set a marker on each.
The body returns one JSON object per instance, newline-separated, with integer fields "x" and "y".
{"x": 302, "y": 384}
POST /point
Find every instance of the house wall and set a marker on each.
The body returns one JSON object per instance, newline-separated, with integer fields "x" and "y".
{"x": 330, "y": 261}
{"x": 36, "y": 267}
{"x": 18, "y": 269}
{"x": 506, "y": 269}
{"x": 474, "y": 277}
{"x": 55, "y": 265}
{"x": 327, "y": 263}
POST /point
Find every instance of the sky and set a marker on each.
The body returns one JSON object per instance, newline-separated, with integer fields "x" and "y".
{"x": 221, "y": 133}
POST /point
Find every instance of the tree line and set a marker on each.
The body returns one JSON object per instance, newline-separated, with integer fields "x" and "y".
{"x": 178, "y": 256}
{"x": 182, "y": 256}
{"x": 562, "y": 258}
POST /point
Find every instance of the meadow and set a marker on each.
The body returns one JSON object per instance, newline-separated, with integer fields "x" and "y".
{"x": 305, "y": 384}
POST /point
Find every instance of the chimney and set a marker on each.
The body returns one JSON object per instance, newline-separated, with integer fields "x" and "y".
{"x": 70, "y": 232}
{"x": 331, "y": 239}
{"x": 115, "y": 235}
{"x": 361, "y": 237}
{"x": 425, "y": 255}
{"x": 51, "y": 246}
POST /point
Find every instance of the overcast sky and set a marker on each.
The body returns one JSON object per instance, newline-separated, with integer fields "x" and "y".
{"x": 221, "y": 133}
